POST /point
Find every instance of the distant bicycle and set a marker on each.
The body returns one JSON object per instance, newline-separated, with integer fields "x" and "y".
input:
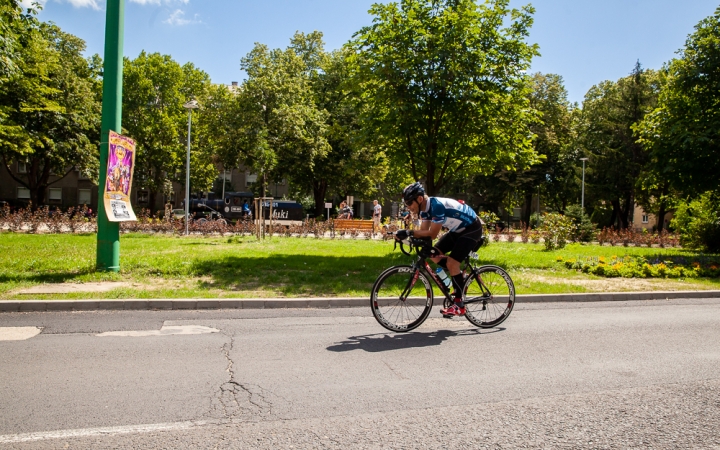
{"x": 402, "y": 296}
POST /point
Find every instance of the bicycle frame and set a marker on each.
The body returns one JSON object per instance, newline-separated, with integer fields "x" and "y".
{"x": 422, "y": 264}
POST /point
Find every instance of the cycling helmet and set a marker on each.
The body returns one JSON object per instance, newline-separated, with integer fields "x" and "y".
{"x": 413, "y": 191}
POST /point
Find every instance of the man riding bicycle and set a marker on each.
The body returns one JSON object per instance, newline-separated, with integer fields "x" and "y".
{"x": 464, "y": 232}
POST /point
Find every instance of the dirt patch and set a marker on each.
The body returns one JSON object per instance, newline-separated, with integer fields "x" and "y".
{"x": 618, "y": 284}
{"x": 68, "y": 288}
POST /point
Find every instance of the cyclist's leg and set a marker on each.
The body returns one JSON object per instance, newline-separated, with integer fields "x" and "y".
{"x": 443, "y": 246}
{"x": 466, "y": 243}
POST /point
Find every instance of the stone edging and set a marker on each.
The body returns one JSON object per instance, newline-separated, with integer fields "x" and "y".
{"x": 275, "y": 303}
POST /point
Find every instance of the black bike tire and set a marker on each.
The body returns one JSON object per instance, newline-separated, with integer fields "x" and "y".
{"x": 375, "y": 306}
{"x": 508, "y": 306}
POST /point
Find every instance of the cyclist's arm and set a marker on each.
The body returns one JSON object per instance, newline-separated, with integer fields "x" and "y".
{"x": 428, "y": 229}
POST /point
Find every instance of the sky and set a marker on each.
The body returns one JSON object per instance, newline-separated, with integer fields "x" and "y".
{"x": 584, "y": 41}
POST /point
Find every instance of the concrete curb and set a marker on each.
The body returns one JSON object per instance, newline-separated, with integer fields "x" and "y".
{"x": 323, "y": 302}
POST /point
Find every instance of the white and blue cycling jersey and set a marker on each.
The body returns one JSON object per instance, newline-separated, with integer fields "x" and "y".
{"x": 453, "y": 215}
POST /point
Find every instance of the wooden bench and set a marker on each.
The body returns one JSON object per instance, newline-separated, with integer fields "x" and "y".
{"x": 350, "y": 224}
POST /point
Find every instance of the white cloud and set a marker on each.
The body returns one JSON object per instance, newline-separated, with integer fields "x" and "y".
{"x": 83, "y": 3}
{"x": 177, "y": 18}
{"x": 76, "y": 3}
{"x": 28, "y": 3}
{"x": 160, "y": 2}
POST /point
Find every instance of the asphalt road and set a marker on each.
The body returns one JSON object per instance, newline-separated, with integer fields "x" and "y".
{"x": 641, "y": 374}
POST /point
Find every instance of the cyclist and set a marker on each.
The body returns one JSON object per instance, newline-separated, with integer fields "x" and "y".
{"x": 464, "y": 232}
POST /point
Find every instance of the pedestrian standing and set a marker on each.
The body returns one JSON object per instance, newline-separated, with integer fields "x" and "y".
{"x": 377, "y": 214}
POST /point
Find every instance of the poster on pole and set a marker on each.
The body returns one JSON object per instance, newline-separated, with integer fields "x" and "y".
{"x": 121, "y": 162}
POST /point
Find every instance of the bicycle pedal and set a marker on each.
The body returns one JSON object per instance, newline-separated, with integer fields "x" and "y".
{"x": 447, "y": 316}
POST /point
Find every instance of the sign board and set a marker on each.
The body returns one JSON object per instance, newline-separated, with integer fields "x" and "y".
{"x": 328, "y": 205}
{"x": 121, "y": 162}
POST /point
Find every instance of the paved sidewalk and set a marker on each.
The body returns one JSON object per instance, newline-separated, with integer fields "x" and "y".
{"x": 322, "y": 302}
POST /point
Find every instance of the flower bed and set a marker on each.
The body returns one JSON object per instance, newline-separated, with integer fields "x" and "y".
{"x": 641, "y": 267}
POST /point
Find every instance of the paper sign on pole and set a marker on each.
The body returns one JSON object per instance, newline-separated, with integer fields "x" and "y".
{"x": 121, "y": 162}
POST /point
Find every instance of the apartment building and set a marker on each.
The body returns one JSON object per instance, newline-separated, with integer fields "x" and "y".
{"x": 77, "y": 190}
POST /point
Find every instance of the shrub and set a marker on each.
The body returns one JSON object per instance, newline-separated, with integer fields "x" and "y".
{"x": 489, "y": 218}
{"x": 585, "y": 230}
{"x": 639, "y": 267}
{"x": 556, "y": 230}
{"x": 698, "y": 223}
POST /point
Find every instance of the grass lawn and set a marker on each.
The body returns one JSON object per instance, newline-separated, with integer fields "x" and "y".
{"x": 242, "y": 267}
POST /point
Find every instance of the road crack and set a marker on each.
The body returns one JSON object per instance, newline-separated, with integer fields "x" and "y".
{"x": 240, "y": 400}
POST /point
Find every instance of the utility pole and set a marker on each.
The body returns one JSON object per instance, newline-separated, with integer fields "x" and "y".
{"x": 108, "y": 235}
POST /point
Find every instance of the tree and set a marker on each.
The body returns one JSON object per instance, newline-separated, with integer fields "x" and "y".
{"x": 155, "y": 90}
{"x": 617, "y": 159}
{"x": 443, "y": 86}
{"x": 277, "y": 130}
{"x": 13, "y": 23}
{"x": 554, "y": 171}
{"x": 683, "y": 132}
{"x": 350, "y": 165}
{"x": 50, "y": 109}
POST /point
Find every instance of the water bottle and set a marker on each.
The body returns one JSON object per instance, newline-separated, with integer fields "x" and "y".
{"x": 443, "y": 277}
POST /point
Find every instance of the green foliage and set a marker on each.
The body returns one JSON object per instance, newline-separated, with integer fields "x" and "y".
{"x": 12, "y": 27}
{"x": 489, "y": 218}
{"x": 557, "y": 230}
{"x": 274, "y": 127}
{"x": 50, "y": 108}
{"x": 155, "y": 89}
{"x": 585, "y": 230}
{"x": 443, "y": 86}
{"x": 643, "y": 267}
{"x": 698, "y": 223}
{"x": 617, "y": 160}
{"x": 683, "y": 133}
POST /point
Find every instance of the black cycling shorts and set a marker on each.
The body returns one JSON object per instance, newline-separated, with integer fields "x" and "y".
{"x": 459, "y": 245}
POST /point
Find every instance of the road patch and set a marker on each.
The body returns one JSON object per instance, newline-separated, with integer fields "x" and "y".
{"x": 18, "y": 333}
{"x": 164, "y": 331}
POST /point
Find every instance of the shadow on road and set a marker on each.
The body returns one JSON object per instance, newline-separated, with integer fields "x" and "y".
{"x": 382, "y": 342}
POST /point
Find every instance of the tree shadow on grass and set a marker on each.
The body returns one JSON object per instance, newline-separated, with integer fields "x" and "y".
{"x": 294, "y": 274}
{"x": 383, "y": 342}
{"x": 54, "y": 277}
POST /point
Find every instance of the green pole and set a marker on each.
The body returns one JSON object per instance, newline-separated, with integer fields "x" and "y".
{"x": 108, "y": 236}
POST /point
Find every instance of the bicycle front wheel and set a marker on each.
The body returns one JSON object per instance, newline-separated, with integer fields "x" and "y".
{"x": 401, "y": 298}
{"x": 489, "y": 296}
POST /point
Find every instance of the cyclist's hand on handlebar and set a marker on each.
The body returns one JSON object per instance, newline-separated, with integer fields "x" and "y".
{"x": 402, "y": 235}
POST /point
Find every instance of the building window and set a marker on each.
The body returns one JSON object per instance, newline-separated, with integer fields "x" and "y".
{"x": 645, "y": 218}
{"x": 142, "y": 197}
{"x": 22, "y": 167}
{"x": 23, "y": 193}
{"x": 84, "y": 196}
{"x": 55, "y": 194}
{"x": 250, "y": 178}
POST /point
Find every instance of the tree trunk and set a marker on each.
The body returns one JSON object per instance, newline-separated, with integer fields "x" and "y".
{"x": 319, "y": 190}
{"x": 527, "y": 208}
{"x": 616, "y": 215}
{"x": 152, "y": 196}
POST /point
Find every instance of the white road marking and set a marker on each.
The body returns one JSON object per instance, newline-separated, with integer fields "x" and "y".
{"x": 164, "y": 331}
{"x": 103, "y": 431}
{"x": 18, "y": 333}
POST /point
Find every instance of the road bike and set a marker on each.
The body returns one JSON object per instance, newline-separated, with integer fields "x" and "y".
{"x": 402, "y": 296}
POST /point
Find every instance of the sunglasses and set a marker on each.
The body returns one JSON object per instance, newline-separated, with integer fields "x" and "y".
{"x": 409, "y": 203}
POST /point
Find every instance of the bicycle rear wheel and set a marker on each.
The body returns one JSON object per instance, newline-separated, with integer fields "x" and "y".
{"x": 401, "y": 298}
{"x": 489, "y": 296}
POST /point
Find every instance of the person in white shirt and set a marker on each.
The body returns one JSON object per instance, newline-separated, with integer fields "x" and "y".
{"x": 377, "y": 213}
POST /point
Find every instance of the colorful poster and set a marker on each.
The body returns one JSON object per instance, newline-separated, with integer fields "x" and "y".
{"x": 121, "y": 161}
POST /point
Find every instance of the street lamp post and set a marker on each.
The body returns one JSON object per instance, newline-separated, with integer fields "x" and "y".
{"x": 192, "y": 104}
{"x": 108, "y": 233}
{"x": 582, "y": 197}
